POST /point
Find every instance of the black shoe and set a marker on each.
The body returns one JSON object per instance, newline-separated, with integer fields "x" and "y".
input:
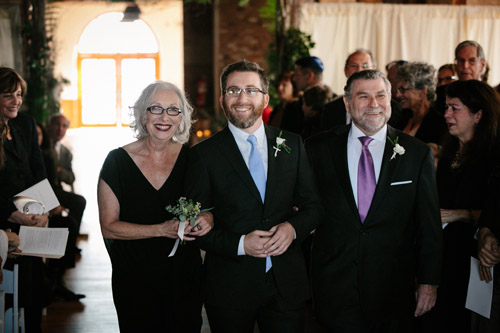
{"x": 64, "y": 294}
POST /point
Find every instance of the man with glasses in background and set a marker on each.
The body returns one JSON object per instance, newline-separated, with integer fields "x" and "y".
{"x": 253, "y": 176}
{"x": 470, "y": 61}
{"x": 470, "y": 64}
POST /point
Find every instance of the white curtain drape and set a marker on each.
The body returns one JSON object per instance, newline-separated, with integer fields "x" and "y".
{"x": 427, "y": 33}
{"x": 6, "y": 46}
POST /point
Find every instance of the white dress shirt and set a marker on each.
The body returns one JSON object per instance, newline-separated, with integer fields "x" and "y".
{"x": 245, "y": 147}
{"x": 354, "y": 148}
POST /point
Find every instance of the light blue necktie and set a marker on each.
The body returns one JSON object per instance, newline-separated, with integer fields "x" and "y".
{"x": 258, "y": 173}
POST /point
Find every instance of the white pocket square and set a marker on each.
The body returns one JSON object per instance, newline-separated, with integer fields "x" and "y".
{"x": 404, "y": 182}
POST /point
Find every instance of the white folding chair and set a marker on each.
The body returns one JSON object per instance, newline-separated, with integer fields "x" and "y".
{"x": 14, "y": 316}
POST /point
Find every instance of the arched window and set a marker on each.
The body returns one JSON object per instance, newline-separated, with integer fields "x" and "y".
{"x": 116, "y": 60}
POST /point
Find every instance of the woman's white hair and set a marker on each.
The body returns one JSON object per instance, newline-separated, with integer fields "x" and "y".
{"x": 138, "y": 112}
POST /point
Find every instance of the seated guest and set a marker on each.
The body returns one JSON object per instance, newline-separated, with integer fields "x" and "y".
{"x": 22, "y": 168}
{"x": 415, "y": 90}
{"x": 58, "y": 124}
{"x": 314, "y": 100}
{"x": 57, "y": 267}
{"x": 152, "y": 291}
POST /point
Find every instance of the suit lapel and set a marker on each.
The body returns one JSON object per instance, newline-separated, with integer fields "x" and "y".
{"x": 386, "y": 172}
{"x": 338, "y": 147}
{"x": 272, "y": 162}
{"x": 229, "y": 149}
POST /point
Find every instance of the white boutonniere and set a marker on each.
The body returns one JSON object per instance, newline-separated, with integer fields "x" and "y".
{"x": 281, "y": 144}
{"x": 398, "y": 149}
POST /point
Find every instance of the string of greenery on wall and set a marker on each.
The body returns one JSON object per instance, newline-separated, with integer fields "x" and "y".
{"x": 42, "y": 98}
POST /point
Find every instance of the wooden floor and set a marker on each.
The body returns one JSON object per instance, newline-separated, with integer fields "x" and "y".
{"x": 92, "y": 277}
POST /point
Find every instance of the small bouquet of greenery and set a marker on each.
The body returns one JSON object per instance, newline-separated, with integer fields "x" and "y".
{"x": 186, "y": 210}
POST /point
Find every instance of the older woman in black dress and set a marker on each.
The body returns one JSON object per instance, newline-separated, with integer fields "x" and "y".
{"x": 464, "y": 172}
{"x": 152, "y": 292}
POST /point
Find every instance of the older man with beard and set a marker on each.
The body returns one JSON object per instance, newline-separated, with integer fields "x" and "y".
{"x": 253, "y": 175}
{"x": 382, "y": 230}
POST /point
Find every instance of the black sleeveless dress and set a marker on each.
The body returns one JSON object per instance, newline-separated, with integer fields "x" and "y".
{"x": 151, "y": 291}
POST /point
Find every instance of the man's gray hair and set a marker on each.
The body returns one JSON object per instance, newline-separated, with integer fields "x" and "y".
{"x": 419, "y": 75}
{"x": 479, "y": 48}
{"x": 138, "y": 112}
{"x": 369, "y": 74}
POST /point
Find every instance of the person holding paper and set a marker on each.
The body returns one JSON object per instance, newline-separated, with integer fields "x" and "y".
{"x": 23, "y": 167}
{"x": 489, "y": 256}
{"x": 152, "y": 292}
{"x": 464, "y": 174}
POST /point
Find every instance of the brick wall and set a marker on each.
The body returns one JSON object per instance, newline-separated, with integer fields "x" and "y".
{"x": 240, "y": 34}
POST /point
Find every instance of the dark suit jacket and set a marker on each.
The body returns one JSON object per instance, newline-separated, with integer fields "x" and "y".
{"x": 66, "y": 174}
{"x": 374, "y": 263}
{"x": 218, "y": 177}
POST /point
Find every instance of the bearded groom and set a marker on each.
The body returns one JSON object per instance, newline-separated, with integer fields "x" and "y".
{"x": 253, "y": 175}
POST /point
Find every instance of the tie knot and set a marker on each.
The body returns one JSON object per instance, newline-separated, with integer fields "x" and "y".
{"x": 252, "y": 139}
{"x": 365, "y": 140}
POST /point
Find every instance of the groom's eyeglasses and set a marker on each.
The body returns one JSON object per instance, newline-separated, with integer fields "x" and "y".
{"x": 234, "y": 91}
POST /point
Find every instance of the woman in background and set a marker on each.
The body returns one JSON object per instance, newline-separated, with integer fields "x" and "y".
{"x": 22, "y": 167}
{"x": 286, "y": 93}
{"x": 416, "y": 90}
{"x": 464, "y": 174}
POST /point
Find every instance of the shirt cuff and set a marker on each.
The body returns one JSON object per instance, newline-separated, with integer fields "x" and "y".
{"x": 241, "y": 247}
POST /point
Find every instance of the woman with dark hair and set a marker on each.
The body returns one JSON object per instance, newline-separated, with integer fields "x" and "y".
{"x": 22, "y": 167}
{"x": 286, "y": 93}
{"x": 464, "y": 173}
{"x": 416, "y": 90}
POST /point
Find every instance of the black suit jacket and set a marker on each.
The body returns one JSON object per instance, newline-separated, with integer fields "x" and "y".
{"x": 374, "y": 263}
{"x": 218, "y": 177}
{"x": 24, "y": 165}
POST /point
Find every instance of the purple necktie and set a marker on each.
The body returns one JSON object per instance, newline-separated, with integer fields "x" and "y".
{"x": 366, "y": 178}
